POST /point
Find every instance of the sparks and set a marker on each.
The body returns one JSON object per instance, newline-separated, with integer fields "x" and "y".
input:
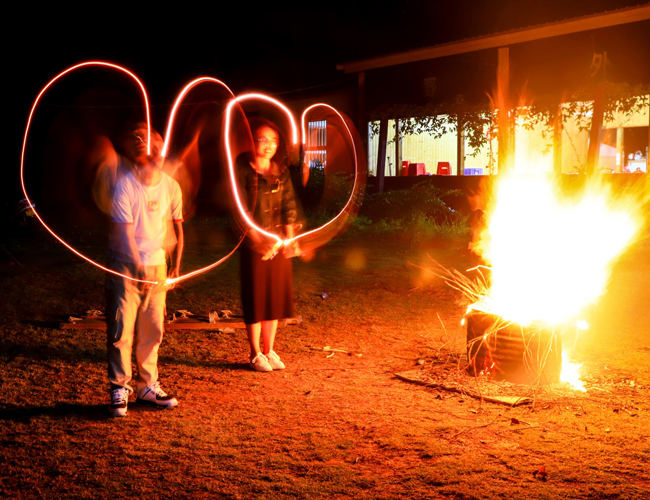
{"x": 551, "y": 255}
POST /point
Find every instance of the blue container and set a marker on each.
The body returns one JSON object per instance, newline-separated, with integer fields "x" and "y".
{"x": 473, "y": 171}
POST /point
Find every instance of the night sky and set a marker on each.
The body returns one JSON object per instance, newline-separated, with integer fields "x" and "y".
{"x": 253, "y": 46}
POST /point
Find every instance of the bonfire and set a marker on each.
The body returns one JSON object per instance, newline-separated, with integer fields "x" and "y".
{"x": 549, "y": 252}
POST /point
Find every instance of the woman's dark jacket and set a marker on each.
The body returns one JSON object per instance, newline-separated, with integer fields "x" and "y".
{"x": 271, "y": 199}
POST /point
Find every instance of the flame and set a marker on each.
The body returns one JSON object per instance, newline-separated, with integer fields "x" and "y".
{"x": 551, "y": 255}
{"x": 571, "y": 373}
{"x": 551, "y": 252}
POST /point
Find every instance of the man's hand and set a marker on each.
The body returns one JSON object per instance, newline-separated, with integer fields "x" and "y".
{"x": 140, "y": 274}
{"x": 176, "y": 272}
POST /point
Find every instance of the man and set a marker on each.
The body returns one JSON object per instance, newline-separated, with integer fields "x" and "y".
{"x": 145, "y": 202}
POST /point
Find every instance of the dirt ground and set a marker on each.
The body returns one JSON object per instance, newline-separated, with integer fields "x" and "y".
{"x": 333, "y": 424}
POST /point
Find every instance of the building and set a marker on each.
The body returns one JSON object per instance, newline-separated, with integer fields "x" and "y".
{"x": 565, "y": 62}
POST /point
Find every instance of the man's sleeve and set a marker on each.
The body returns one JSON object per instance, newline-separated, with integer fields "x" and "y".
{"x": 121, "y": 210}
{"x": 177, "y": 203}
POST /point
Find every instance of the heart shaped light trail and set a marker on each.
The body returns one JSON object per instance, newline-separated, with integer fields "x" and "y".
{"x": 349, "y": 206}
{"x": 165, "y": 151}
{"x": 231, "y": 167}
{"x": 22, "y": 156}
{"x": 347, "y": 210}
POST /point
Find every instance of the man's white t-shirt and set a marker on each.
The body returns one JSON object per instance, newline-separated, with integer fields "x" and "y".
{"x": 149, "y": 209}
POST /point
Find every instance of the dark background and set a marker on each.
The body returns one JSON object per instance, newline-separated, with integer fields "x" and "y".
{"x": 266, "y": 46}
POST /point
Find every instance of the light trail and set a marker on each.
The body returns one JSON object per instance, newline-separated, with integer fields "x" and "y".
{"x": 231, "y": 167}
{"x": 173, "y": 281}
{"x": 355, "y": 186}
{"x": 165, "y": 150}
{"x": 22, "y": 156}
{"x": 167, "y": 140}
{"x": 179, "y": 99}
{"x": 231, "y": 170}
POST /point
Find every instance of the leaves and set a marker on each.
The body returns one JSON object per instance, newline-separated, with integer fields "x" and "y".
{"x": 479, "y": 121}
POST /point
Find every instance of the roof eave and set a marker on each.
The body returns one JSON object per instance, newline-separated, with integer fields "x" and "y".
{"x": 558, "y": 28}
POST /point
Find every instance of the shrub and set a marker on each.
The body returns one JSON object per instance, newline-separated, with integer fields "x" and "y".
{"x": 416, "y": 214}
{"x": 409, "y": 205}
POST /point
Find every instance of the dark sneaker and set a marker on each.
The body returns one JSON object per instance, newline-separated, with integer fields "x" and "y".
{"x": 155, "y": 396}
{"x": 119, "y": 401}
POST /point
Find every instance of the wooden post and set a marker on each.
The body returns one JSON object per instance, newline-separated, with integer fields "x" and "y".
{"x": 506, "y": 152}
{"x": 557, "y": 141}
{"x": 398, "y": 150}
{"x": 460, "y": 147}
{"x": 596, "y": 128}
{"x": 647, "y": 158}
{"x": 362, "y": 119}
{"x": 381, "y": 154}
{"x": 620, "y": 149}
{"x": 647, "y": 148}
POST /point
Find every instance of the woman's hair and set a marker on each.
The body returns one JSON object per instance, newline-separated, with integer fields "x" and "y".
{"x": 257, "y": 123}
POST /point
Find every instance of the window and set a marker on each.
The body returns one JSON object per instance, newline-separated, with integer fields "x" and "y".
{"x": 316, "y": 149}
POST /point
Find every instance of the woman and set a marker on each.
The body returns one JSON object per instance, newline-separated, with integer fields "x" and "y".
{"x": 266, "y": 276}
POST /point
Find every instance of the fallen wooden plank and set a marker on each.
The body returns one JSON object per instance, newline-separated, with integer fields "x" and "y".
{"x": 193, "y": 323}
{"x": 504, "y": 400}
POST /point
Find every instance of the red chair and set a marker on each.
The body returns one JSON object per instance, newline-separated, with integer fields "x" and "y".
{"x": 417, "y": 169}
{"x": 444, "y": 168}
{"x": 405, "y": 167}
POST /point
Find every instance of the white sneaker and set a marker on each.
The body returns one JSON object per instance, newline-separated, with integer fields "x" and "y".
{"x": 153, "y": 395}
{"x": 119, "y": 401}
{"x": 260, "y": 363}
{"x": 275, "y": 361}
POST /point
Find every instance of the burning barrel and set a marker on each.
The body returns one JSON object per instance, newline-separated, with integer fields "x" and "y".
{"x": 512, "y": 352}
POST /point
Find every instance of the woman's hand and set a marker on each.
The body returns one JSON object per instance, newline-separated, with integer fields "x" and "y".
{"x": 273, "y": 251}
{"x": 292, "y": 249}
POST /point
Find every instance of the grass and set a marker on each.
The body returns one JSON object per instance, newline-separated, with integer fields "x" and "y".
{"x": 327, "y": 427}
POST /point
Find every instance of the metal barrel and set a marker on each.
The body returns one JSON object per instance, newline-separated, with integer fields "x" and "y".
{"x": 509, "y": 351}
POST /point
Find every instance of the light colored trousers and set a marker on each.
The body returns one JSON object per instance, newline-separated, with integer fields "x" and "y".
{"x": 133, "y": 316}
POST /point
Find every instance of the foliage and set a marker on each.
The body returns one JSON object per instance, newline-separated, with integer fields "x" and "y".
{"x": 420, "y": 229}
{"x": 417, "y": 214}
{"x": 323, "y": 193}
{"x": 407, "y": 205}
{"x": 480, "y": 125}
